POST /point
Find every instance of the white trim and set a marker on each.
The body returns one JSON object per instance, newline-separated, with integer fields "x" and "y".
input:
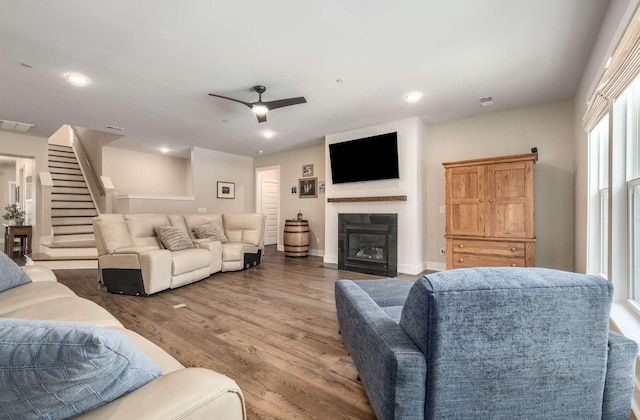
{"x": 154, "y": 197}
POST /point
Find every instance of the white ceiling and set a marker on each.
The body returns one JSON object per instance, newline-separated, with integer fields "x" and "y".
{"x": 152, "y": 64}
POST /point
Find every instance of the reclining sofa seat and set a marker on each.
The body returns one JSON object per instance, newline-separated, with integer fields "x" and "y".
{"x": 132, "y": 260}
{"x": 499, "y": 343}
{"x": 245, "y": 234}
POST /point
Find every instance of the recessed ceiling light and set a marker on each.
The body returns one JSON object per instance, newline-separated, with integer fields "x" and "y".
{"x": 164, "y": 150}
{"x": 268, "y": 134}
{"x": 77, "y": 79}
{"x": 260, "y": 152}
{"x": 413, "y": 97}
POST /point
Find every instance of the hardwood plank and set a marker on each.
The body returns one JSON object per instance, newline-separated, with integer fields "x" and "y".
{"x": 272, "y": 328}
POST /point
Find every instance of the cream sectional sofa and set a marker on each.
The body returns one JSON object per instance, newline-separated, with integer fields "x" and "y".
{"x": 132, "y": 259}
{"x": 178, "y": 392}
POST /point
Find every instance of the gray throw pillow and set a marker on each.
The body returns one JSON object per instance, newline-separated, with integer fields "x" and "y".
{"x": 10, "y": 274}
{"x": 174, "y": 238}
{"x": 57, "y": 370}
{"x": 210, "y": 231}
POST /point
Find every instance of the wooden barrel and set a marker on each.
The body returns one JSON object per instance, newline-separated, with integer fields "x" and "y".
{"x": 296, "y": 238}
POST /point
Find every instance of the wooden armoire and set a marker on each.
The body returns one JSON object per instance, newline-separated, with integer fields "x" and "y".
{"x": 490, "y": 212}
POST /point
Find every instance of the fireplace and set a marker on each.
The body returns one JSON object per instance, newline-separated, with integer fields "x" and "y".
{"x": 368, "y": 243}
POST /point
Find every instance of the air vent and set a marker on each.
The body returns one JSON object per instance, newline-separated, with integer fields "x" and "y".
{"x": 486, "y": 101}
{"x": 14, "y": 125}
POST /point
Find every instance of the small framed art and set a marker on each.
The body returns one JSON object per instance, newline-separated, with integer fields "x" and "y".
{"x": 307, "y": 170}
{"x": 226, "y": 189}
{"x": 308, "y": 188}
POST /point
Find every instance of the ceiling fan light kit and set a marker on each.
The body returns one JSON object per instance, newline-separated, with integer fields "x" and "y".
{"x": 261, "y": 108}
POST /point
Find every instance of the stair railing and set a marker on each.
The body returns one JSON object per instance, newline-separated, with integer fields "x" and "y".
{"x": 84, "y": 161}
{"x": 93, "y": 182}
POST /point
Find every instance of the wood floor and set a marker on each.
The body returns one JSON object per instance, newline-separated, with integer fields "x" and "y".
{"x": 272, "y": 328}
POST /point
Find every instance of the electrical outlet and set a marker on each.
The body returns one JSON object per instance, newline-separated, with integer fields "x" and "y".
{"x": 443, "y": 251}
{"x": 441, "y": 209}
{"x": 202, "y": 209}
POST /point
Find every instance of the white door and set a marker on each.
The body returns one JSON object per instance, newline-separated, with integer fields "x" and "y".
{"x": 270, "y": 210}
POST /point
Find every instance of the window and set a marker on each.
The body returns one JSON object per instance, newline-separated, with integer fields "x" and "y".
{"x": 614, "y": 167}
{"x": 599, "y": 165}
{"x": 632, "y": 178}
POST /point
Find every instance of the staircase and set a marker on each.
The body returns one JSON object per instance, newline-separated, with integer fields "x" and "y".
{"x": 72, "y": 210}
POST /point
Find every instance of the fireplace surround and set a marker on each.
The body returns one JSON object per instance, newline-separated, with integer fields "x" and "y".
{"x": 368, "y": 243}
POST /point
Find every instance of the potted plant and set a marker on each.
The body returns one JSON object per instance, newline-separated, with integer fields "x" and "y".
{"x": 15, "y": 213}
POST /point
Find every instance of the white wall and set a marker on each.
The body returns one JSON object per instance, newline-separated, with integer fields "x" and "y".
{"x": 411, "y": 232}
{"x": 145, "y": 173}
{"x": 290, "y": 173}
{"x": 201, "y": 172}
{"x": 549, "y": 127}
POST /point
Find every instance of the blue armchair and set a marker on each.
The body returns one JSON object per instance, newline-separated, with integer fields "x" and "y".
{"x": 498, "y": 343}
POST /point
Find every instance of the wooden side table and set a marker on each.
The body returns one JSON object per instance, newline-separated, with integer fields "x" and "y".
{"x": 23, "y": 232}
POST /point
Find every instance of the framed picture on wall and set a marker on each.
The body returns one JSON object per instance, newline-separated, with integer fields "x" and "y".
{"x": 226, "y": 189}
{"x": 307, "y": 170}
{"x": 308, "y": 188}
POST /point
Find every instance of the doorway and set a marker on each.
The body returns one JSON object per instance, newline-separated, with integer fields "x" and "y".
{"x": 268, "y": 201}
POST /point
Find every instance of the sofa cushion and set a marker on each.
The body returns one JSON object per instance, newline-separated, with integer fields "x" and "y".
{"x": 187, "y": 260}
{"x": 113, "y": 233}
{"x": 61, "y": 369}
{"x": 10, "y": 274}
{"x": 211, "y": 231}
{"x": 174, "y": 238}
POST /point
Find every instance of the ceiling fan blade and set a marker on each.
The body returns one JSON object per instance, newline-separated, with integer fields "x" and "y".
{"x": 285, "y": 102}
{"x": 262, "y": 118}
{"x": 231, "y": 99}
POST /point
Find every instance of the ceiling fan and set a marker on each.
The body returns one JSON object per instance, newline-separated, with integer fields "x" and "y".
{"x": 261, "y": 108}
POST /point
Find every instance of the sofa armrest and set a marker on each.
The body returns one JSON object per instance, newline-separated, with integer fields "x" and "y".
{"x": 155, "y": 266}
{"x": 192, "y": 393}
{"x": 215, "y": 248}
{"x": 392, "y": 368}
{"x": 39, "y": 273}
{"x": 619, "y": 380}
{"x": 135, "y": 249}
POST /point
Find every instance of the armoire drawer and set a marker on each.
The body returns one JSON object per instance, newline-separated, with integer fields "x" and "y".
{"x": 495, "y": 248}
{"x": 463, "y": 260}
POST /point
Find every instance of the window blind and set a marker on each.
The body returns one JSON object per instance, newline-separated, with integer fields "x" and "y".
{"x": 624, "y": 66}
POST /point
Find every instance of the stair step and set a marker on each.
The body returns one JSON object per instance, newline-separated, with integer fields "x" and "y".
{"x": 62, "y": 153}
{"x": 58, "y": 165}
{"x": 66, "y": 177}
{"x": 59, "y": 147}
{"x": 69, "y": 221}
{"x": 72, "y": 184}
{"x": 64, "y": 262}
{"x": 87, "y": 243}
{"x": 68, "y": 205}
{"x": 73, "y": 212}
{"x": 70, "y": 197}
{"x": 73, "y": 237}
{"x": 69, "y": 190}
{"x": 72, "y": 230}
{"x": 66, "y": 171}
{"x": 62, "y": 159}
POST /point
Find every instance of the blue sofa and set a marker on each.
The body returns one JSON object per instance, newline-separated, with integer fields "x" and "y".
{"x": 498, "y": 343}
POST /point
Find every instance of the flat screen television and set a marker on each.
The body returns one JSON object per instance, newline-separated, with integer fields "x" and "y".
{"x": 366, "y": 159}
